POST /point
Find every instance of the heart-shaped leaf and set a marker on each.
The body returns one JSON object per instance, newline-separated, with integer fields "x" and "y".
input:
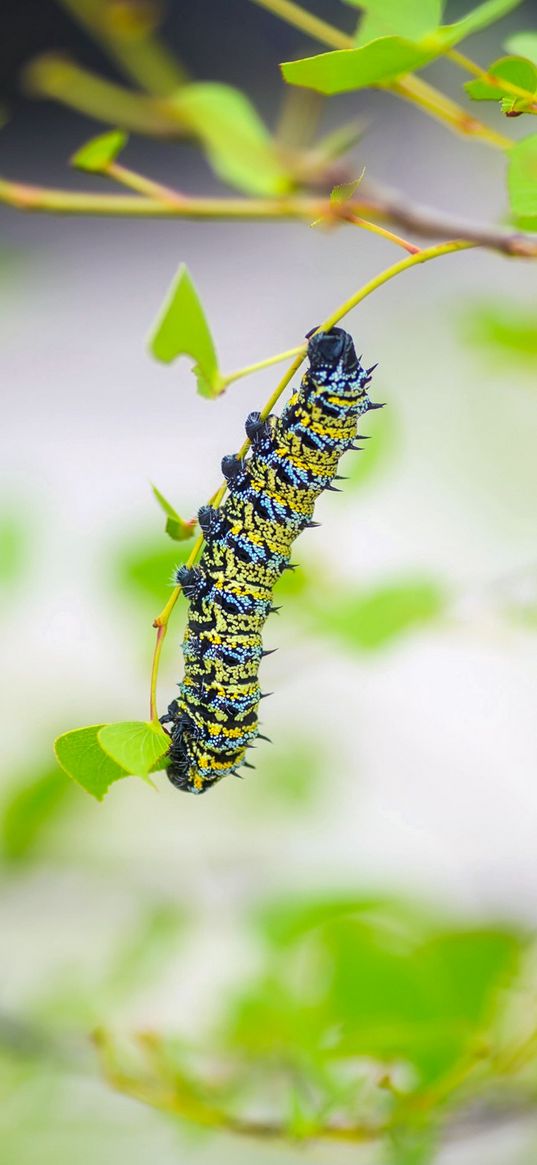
{"x": 136, "y": 745}
{"x": 81, "y": 756}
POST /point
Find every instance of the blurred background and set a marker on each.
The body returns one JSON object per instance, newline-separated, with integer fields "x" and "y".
{"x": 403, "y": 714}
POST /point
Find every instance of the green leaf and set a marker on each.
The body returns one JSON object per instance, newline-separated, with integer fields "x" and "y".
{"x": 383, "y": 59}
{"x": 406, "y": 18}
{"x": 29, "y": 810}
{"x": 516, "y": 70}
{"x": 523, "y": 44}
{"x": 522, "y": 181}
{"x": 136, "y": 745}
{"x": 476, "y": 20}
{"x": 97, "y": 154}
{"x": 366, "y": 621}
{"x": 238, "y": 145}
{"x": 475, "y": 963}
{"x": 181, "y": 329}
{"x": 83, "y": 759}
{"x": 346, "y": 190}
{"x": 384, "y": 980}
{"x": 176, "y": 526}
{"x": 375, "y": 63}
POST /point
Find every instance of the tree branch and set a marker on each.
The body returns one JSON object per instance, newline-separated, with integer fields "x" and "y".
{"x": 378, "y": 203}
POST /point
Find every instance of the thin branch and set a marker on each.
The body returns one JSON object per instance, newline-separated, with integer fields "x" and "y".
{"x": 156, "y": 191}
{"x": 375, "y": 229}
{"x": 380, "y": 204}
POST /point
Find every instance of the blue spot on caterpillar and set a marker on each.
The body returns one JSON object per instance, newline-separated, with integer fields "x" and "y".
{"x": 271, "y": 499}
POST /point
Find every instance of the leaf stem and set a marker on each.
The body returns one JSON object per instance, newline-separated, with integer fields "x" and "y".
{"x": 383, "y": 232}
{"x": 146, "y": 186}
{"x": 153, "y": 711}
{"x": 440, "y": 249}
{"x": 249, "y": 368}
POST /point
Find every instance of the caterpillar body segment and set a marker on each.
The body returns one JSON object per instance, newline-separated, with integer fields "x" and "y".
{"x": 271, "y": 499}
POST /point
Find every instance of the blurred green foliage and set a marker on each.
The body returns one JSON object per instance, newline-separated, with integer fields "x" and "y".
{"x": 359, "y": 979}
{"x": 522, "y": 183}
{"x": 365, "y": 620}
{"x": 14, "y": 547}
{"x": 368, "y": 1014}
{"x": 501, "y": 327}
{"x": 29, "y": 808}
{"x": 144, "y": 566}
{"x": 290, "y": 777}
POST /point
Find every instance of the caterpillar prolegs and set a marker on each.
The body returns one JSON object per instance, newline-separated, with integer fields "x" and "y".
{"x": 271, "y": 499}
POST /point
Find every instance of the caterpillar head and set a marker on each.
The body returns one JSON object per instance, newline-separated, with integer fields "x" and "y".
{"x": 331, "y": 352}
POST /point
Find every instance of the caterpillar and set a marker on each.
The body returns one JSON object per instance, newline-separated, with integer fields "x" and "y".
{"x": 271, "y": 499}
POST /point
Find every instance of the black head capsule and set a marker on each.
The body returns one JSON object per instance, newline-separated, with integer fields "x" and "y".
{"x": 328, "y": 350}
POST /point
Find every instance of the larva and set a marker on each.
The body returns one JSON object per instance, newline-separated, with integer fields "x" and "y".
{"x": 271, "y": 499}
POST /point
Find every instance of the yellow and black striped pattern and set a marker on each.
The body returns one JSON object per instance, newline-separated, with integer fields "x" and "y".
{"x": 272, "y": 495}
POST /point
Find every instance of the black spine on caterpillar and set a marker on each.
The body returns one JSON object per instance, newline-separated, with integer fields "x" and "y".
{"x": 272, "y": 495}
